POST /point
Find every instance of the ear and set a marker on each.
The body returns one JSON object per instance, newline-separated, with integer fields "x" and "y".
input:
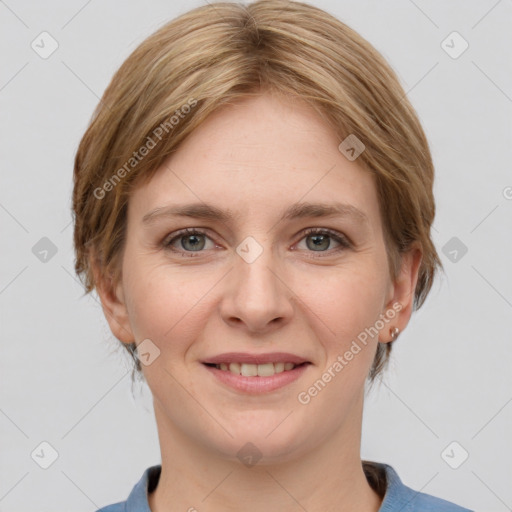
{"x": 112, "y": 303}
{"x": 402, "y": 294}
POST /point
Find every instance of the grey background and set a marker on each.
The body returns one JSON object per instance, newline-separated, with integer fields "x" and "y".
{"x": 63, "y": 379}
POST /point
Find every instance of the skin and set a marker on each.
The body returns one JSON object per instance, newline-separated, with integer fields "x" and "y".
{"x": 256, "y": 158}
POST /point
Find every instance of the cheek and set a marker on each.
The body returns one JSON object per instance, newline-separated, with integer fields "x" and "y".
{"x": 349, "y": 307}
{"x": 346, "y": 302}
{"x": 165, "y": 304}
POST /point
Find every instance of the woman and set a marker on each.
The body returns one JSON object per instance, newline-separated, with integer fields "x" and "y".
{"x": 253, "y": 203}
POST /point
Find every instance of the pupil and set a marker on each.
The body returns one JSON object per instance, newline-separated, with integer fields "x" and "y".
{"x": 196, "y": 242}
{"x": 318, "y": 240}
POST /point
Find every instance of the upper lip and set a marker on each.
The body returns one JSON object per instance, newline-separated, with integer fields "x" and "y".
{"x": 244, "y": 357}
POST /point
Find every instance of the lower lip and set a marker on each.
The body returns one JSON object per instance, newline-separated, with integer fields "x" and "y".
{"x": 257, "y": 384}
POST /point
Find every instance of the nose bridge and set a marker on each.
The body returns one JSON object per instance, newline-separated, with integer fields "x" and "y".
{"x": 253, "y": 268}
{"x": 257, "y": 296}
{"x": 254, "y": 264}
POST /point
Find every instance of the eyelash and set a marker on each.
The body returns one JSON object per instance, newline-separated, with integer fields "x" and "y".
{"x": 338, "y": 237}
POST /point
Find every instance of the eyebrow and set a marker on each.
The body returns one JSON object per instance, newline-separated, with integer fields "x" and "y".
{"x": 295, "y": 211}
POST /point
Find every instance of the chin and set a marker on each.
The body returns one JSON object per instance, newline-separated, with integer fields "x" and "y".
{"x": 263, "y": 445}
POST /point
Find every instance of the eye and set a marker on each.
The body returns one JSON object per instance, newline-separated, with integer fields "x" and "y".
{"x": 193, "y": 240}
{"x": 190, "y": 240}
{"x": 321, "y": 240}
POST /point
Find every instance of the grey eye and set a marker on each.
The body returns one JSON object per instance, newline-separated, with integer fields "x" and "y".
{"x": 192, "y": 242}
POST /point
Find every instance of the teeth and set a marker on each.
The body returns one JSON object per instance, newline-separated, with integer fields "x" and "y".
{"x": 234, "y": 368}
{"x": 253, "y": 370}
{"x": 266, "y": 370}
{"x": 249, "y": 370}
{"x": 279, "y": 367}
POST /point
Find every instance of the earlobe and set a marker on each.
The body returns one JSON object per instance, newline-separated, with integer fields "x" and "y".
{"x": 402, "y": 301}
{"x": 113, "y": 304}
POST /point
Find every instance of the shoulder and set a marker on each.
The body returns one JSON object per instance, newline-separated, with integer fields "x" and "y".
{"x": 138, "y": 499}
{"x": 400, "y": 497}
{"x": 427, "y": 503}
{"x": 115, "y": 507}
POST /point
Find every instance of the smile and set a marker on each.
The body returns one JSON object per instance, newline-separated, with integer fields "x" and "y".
{"x": 256, "y": 378}
{"x": 256, "y": 370}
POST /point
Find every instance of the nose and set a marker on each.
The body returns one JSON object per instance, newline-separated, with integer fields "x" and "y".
{"x": 256, "y": 297}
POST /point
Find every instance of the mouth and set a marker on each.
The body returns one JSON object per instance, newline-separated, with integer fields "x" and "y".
{"x": 256, "y": 370}
{"x": 256, "y": 373}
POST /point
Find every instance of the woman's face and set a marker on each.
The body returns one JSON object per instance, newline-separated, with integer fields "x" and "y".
{"x": 256, "y": 283}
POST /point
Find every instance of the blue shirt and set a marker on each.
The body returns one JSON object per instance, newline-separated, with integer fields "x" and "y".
{"x": 398, "y": 497}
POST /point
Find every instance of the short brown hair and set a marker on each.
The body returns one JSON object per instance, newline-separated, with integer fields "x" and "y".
{"x": 218, "y": 53}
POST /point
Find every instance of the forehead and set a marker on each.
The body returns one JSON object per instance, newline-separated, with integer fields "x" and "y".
{"x": 257, "y": 157}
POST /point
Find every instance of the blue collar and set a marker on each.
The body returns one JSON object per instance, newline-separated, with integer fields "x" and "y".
{"x": 398, "y": 496}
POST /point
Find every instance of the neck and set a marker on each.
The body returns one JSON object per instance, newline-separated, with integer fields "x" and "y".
{"x": 328, "y": 477}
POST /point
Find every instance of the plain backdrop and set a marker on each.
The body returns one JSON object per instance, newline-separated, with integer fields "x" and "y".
{"x": 65, "y": 382}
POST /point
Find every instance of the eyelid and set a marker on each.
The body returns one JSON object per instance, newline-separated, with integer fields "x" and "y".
{"x": 340, "y": 238}
{"x": 337, "y": 235}
{"x": 171, "y": 237}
